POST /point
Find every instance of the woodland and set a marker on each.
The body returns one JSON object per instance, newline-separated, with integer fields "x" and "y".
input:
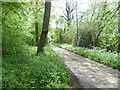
{"x": 28, "y": 61}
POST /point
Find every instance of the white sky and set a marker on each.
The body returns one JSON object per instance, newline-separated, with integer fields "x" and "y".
{"x": 59, "y": 7}
{"x": 82, "y": 4}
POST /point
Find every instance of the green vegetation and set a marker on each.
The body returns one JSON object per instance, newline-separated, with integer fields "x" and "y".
{"x": 25, "y": 32}
{"x": 100, "y": 55}
{"x": 21, "y": 67}
{"x": 95, "y": 27}
{"x": 93, "y": 33}
{"x": 26, "y": 70}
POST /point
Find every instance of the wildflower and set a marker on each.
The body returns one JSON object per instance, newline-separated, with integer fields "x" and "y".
{"x": 96, "y": 50}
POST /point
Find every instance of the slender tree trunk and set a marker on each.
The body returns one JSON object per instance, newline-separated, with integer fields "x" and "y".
{"x": 43, "y": 37}
{"x": 60, "y": 38}
{"x": 75, "y": 40}
{"x": 93, "y": 40}
{"x": 36, "y": 29}
{"x": 36, "y": 24}
{"x": 118, "y": 28}
{"x": 77, "y": 24}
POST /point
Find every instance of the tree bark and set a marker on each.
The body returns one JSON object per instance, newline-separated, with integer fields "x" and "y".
{"x": 43, "y": 37}
{"x": 75, "y": 39}
{"x": 36, "y": 29}
{"x": 118, "y": 27}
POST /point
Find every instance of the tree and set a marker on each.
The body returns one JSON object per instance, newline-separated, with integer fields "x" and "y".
{"x": 36, "y": 24}
{"x": 69, "y": 14}
{"x": 37, "y": 9}
{"x": 75, "y": 40}
{"x": 118, "y": 27}
{"x": 43, "y": 37}
{"x": 15, "y": 24}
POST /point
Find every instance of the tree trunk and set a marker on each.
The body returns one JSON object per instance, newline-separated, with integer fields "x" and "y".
{"x": 93, "y": 40}
{"x": 118, "y": 27}
{"x": 75, "y": 40}
{"x": 36, "y": 29}
{"x": 43, "y": 37}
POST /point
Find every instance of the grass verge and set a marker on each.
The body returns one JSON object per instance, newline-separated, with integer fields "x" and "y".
{"x": 108, "y": 58}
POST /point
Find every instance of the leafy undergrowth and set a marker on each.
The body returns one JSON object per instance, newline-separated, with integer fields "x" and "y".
{"x": 108, "y": 58}
{"x": 30, "y": 71}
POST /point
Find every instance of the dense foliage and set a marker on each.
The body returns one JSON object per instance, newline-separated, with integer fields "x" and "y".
{"x": 18, "y": 24}
{"x": 21, "y": 67}
{"x": 97, "y": 27}
{"x": 100, "y": 55}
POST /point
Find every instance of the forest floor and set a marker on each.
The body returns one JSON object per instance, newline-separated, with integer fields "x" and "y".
{"x": 89, "y": 74}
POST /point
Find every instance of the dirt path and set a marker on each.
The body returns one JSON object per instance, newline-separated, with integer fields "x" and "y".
{"x": 89, "y": 73}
